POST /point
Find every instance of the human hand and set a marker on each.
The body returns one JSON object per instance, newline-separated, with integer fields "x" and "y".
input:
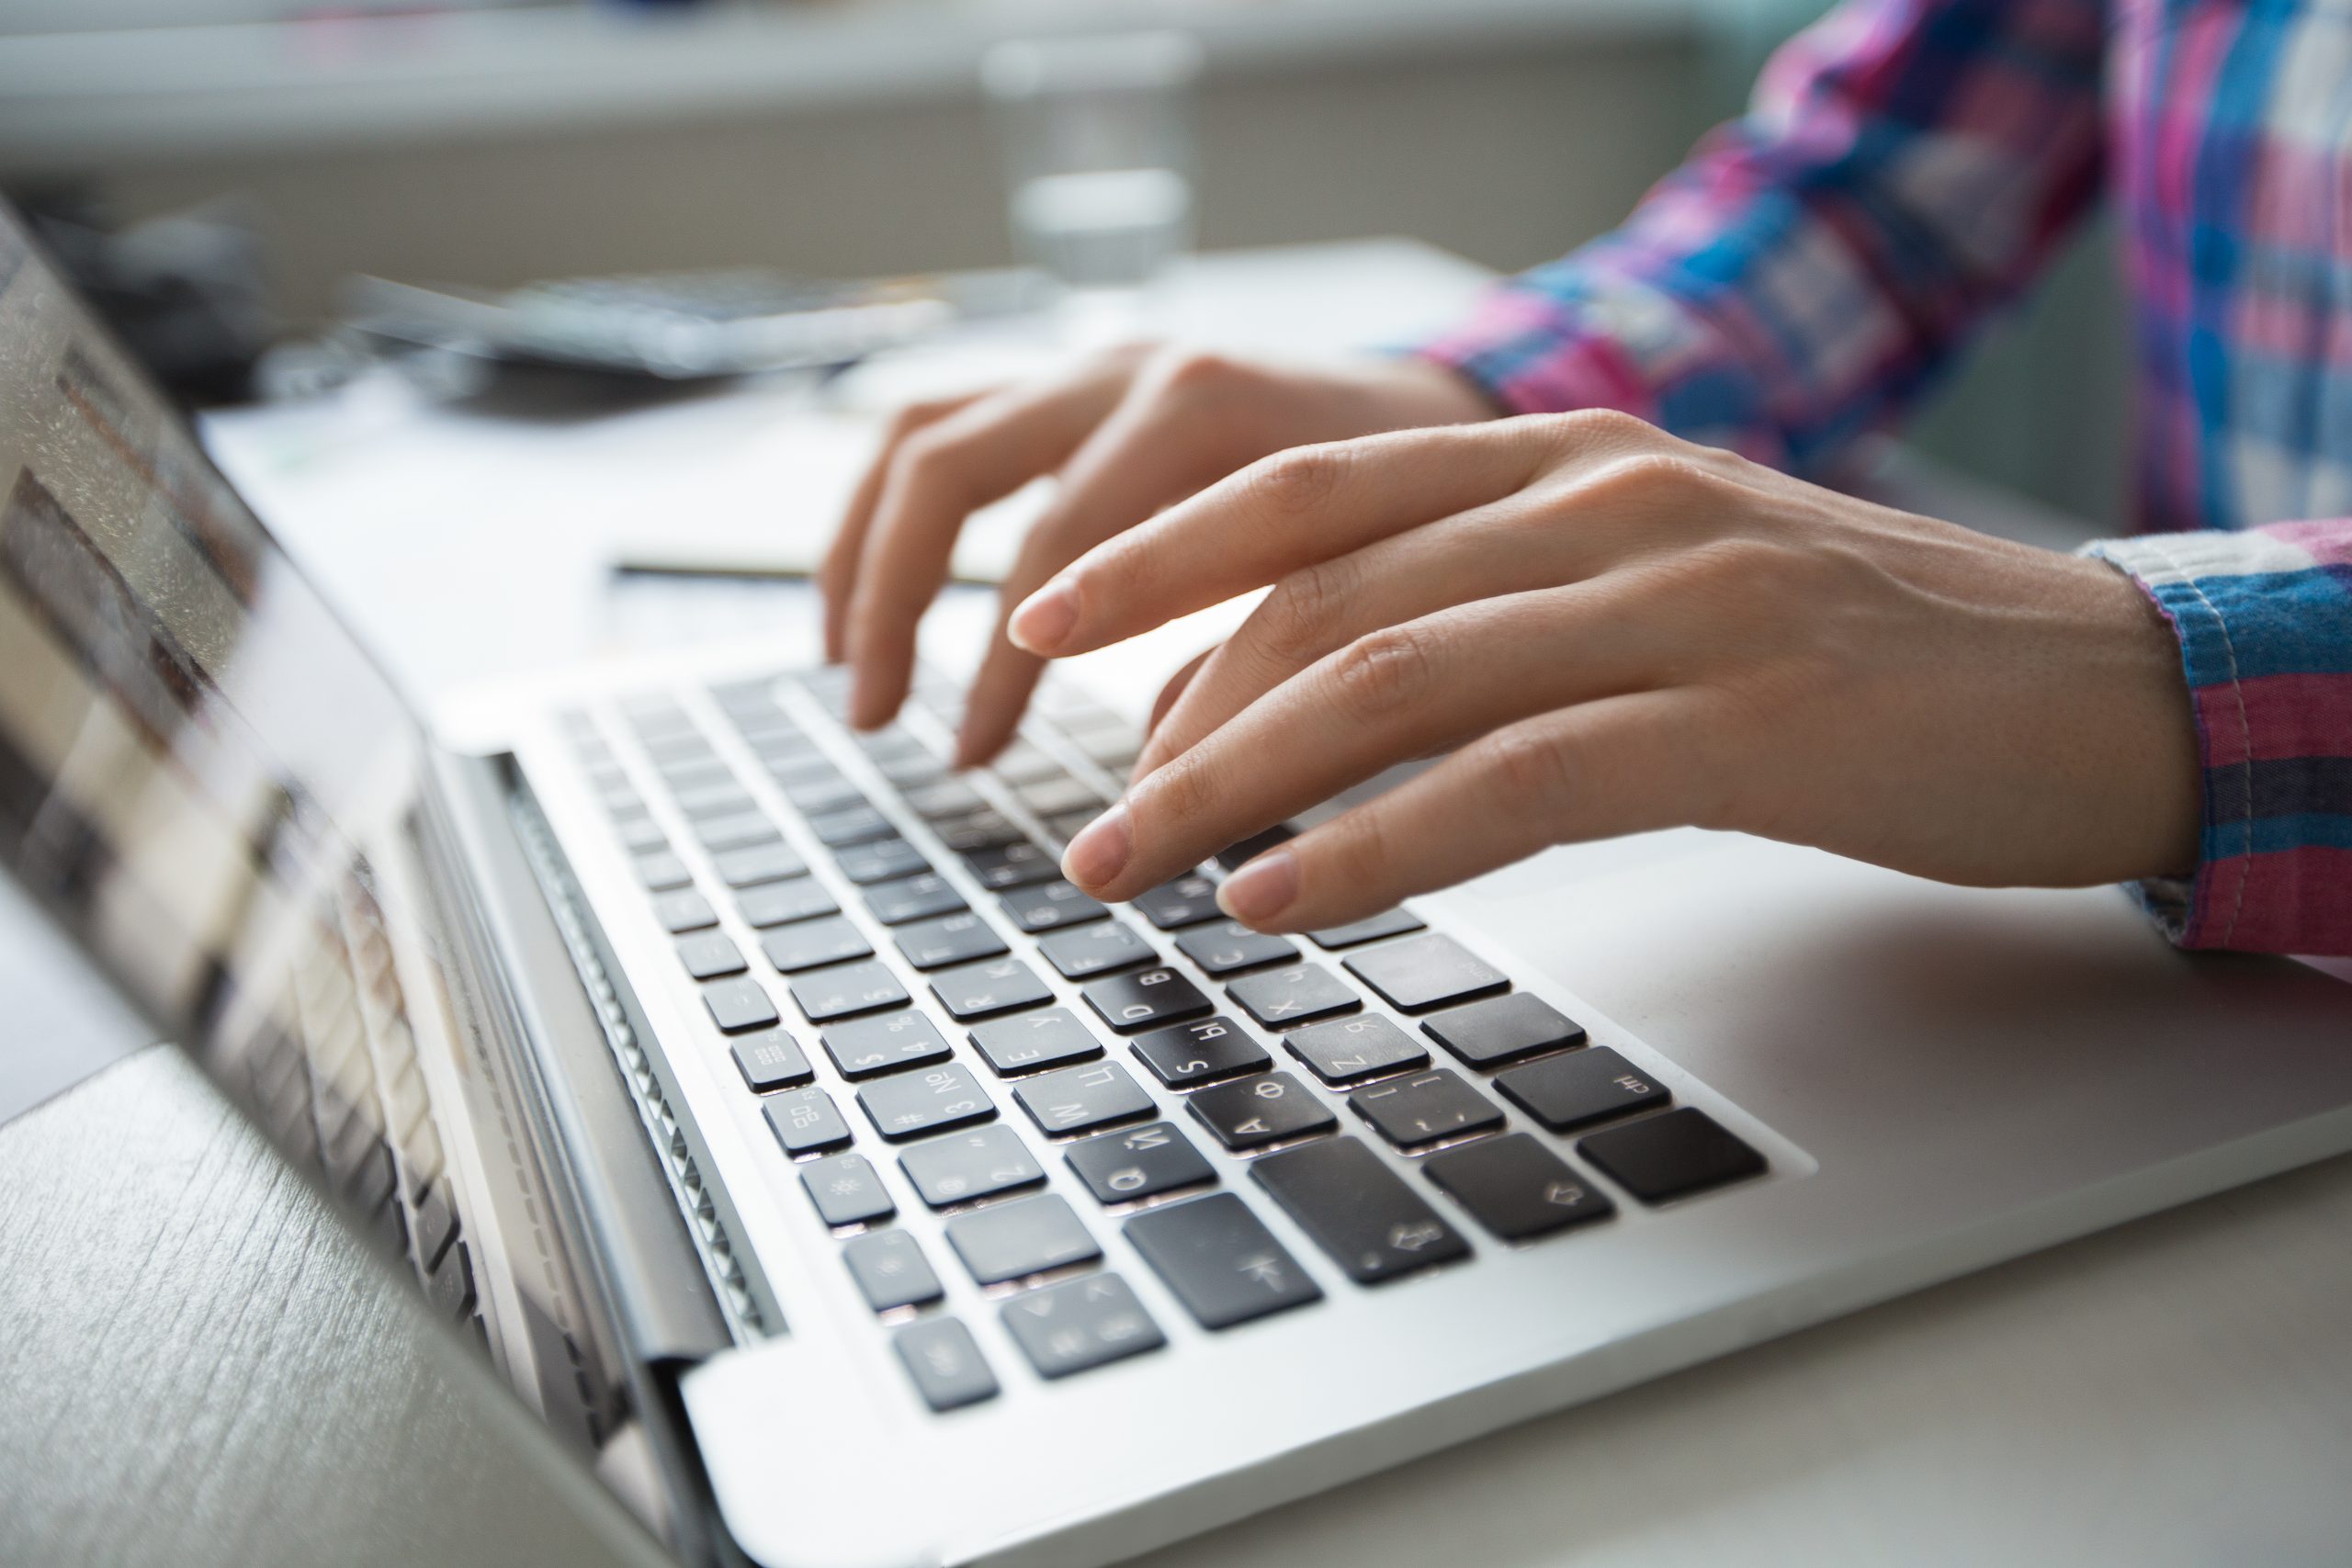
{"x": 1612, "y": 630}
{"x": 1127, "y": 434}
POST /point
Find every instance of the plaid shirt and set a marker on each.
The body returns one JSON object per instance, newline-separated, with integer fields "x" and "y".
{"x": 1910, "y": 164}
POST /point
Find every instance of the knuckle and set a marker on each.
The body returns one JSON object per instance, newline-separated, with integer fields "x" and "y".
{"x": 1587, "y": 428}
{"x": 1190, "y": 372}
{"x": 1185, "y": 789}
{"x": 1382, "y": 674}
{"x": 1297, "y": 618}
{"x": 1649, "y": 479}
{"x": 1298, "y": 481}
{"x": 1528, "y": 766}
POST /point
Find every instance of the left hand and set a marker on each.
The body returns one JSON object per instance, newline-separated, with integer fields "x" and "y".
{"x": 1613, "y": 630}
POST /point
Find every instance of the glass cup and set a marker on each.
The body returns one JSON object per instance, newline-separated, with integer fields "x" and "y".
{"x": 1097, "y": 134}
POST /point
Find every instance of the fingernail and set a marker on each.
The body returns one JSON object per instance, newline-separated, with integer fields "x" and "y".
{"x": 1262, "y": 889}
{"x": 1045, "y": 618}
{"x": 1101, "y": 850}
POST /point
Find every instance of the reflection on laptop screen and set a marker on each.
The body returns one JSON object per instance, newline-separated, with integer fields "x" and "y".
{"x": 194, "y": 754}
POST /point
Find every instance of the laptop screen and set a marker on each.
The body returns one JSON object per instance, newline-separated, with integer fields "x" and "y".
{"x": 192, "y": 748}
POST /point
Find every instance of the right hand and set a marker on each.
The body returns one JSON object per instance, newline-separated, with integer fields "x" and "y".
{"x": 1126, "y": 434}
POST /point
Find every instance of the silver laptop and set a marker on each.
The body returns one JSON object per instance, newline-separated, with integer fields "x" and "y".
{"x": 852, "y": 1193}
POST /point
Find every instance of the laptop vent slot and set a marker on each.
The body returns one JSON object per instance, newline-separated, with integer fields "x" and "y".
{"x": 741, "y": 1295}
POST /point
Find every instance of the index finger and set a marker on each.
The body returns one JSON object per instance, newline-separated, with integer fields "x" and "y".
{"x": 1289, "y": 511}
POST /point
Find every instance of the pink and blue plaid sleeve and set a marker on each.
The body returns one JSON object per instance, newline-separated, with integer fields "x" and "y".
{"x": 1907, "y": 165}
{"x": 2265, "y": 622}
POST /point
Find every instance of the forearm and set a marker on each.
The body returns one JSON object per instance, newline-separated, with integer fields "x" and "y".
{"x": 2265, "y": 623}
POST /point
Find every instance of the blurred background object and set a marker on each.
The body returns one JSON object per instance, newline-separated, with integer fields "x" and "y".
{"x": 185, "y": 290}
{"x": 496, "y": 144}
{"x": 1097, "y": 133}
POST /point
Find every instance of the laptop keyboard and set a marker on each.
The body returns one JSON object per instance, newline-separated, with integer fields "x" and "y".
{"x": 1389, "y": 1090}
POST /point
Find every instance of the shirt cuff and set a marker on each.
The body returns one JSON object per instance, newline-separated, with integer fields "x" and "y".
{"x": 2265, "y": 623}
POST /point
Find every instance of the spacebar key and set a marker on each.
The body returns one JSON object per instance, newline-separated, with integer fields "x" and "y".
{"x": 1358, "y": 1210}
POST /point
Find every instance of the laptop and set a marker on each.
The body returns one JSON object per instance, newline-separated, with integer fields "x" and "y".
{"x": 850, "y": 1192}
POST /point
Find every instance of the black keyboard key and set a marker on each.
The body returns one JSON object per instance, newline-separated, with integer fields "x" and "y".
{"x": 710, "y": 956}
{"x": 1142, "y": 1162}
{"x": 1028, "y": 1235}
{"x": 1101, "y": 949}
{"x": 1229, "y": 947}
{"x": 1049, "y": 905}
{"x": 856, "y": 825}
{"x": 1372, "y": 930}
{"x": 1053, "y": 797}
{"x": 1357, "y": 1210}
{"x": 735, "y": 831}
{"x": 1503, "y": 1029}
{"x": 696, "y": 772}
{"x": 812, "y": 944}
{"x": 930, "y": 1101}
{"x": 891, "y": 1270}
{"x": 890, "y": 745}
{"x": 781, "y": 903}
{"x": 944, "y": 1363}
{"x": 1147, "y": 999}
{"x": 662, "y": 872}
{"x": 981, "y": 990}
{"x": 1516, "y": 1188}
{"x": 948, "y": 798}
{"x": 1081, "y": 1324}
{"x": 1279, "y": 998}
{"x": 1426, "y": 1108}
{"x": 1580, "y": 1087}
{"x": 738, "y": 1005}
{"x": 1427, "y": 972}
{"x": 1022, "y": 763}
{"x": 436, "y": 1226}
{"x": 640, "y": 834}
{"x": 452, "y": 1286}
{"x": 1187, "y": 901}
{"x": 1233, "y": 857}
{"x": 1346, "y": 1050}
{"x": 964, "y": 1166}
{"x": 950, "y": 938}
{"x": 978, "y": 830}
{"x": 881, "y": 861}
{"x": 914, "y": 771}
{"x": 1250, "y": 1113}
{"x": 846, "y": 989}
{"x": 1035, "y": 1040}
{"x": 1083, "y": 1100}
{"x": 806, "y": 1122}
{"x": 1671, "y": 1155}
{"x": 770, "y": 1060}
{"x": 760, "y": 863}
{"x": 884, "y": 1043}
{"x": 912, "y": 898}
{"x": 722, "y": 799}
{"x": 1193, "y": 1054}
{"x": 819, "y": 789}
{"x": 846, "y": 1191}
{"x": 1068, "y": 825}
{"x": 682, "y": 912}
{"x": 1017, "y": 864}
{"x": 1220, "y": 1260}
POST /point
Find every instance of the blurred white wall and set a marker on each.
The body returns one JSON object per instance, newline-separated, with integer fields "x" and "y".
{"x": 1508, "y": 150}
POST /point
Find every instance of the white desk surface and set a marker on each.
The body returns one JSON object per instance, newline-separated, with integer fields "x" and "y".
{"x": 2177, "y": 1391}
